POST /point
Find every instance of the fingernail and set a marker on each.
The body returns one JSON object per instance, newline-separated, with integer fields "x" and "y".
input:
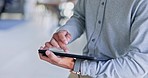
{"x": 66, "y": 42}
{"x": 58, "y": 46}
{"x": 48, "y": 52}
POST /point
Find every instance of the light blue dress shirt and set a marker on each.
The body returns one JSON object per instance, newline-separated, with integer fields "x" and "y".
{"x": 117, "y": 31}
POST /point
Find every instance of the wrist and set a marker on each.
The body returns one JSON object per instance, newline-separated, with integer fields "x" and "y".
{"x": 67, "y": 63}
{"x": 77, "y": 66}
{"x": 72, "y": 64}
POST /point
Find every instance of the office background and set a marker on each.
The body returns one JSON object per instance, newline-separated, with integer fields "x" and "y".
{"x": 23, "y": 31}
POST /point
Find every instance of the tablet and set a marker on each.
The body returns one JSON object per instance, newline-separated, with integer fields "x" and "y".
{"x": 69, "y": 55}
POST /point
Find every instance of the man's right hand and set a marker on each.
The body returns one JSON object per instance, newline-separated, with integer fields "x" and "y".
{"x": 60, "y": 39}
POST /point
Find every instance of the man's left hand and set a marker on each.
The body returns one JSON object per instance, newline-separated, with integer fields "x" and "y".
{"x": 64, "y": 62}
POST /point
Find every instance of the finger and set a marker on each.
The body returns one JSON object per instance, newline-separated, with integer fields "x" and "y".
{"x": 44, "y": 58}
{"x": 60, "y": 43}
{"x": 56, "y": 37}
{"x": 63, "y": 46}
{"x": 47, "y": 59}
{"x": 68, "y": 36}
{"x": 47, "y": 45}
{"x": 41, "y": 47}
{"x": 45, "y": 48}
{"x": 62, "y": 37}
{"x": 54, "y": 43}
{"x": 52, "y": 57}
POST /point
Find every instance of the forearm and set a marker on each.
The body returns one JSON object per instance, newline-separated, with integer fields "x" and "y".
{"x": 76, "y": 25}
{"x": 132, "y": 65}
{"x": 75, "y": 28}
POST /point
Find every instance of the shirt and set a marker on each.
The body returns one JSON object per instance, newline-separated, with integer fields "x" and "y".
{"x": 116, "y": 31}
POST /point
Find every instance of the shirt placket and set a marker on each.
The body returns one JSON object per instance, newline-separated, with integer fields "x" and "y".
{"x": 98, "y": 27}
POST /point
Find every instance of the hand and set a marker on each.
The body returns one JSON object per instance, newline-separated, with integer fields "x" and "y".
{"x": 59, "y": 40}
{"x": 64, "y": 62}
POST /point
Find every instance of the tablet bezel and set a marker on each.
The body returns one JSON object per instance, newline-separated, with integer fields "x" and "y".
{"x": 68, "y": 55}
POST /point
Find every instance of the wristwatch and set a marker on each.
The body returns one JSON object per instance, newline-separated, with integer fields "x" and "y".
{"x": 77, "y": 66}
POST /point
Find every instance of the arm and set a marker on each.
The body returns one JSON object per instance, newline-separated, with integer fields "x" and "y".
{"x": 69, "y": 32}
{"x": 76, "y": 25}
{"x": 134, "y": 64}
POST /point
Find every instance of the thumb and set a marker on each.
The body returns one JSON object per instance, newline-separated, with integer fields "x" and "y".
{"x": 52, "y": 56}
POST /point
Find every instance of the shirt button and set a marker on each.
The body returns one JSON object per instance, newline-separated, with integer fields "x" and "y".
{"x": 93, "y": 40}
{"x": 102, "y": 3}
{"x": 99, "y": 22}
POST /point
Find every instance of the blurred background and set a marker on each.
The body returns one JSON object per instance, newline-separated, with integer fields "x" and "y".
{"x": 25, "y": 25}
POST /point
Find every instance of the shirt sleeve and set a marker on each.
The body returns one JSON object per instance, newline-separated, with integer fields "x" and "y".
{"x": 134, "y": 64}
{"x": 76, "y": 24}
